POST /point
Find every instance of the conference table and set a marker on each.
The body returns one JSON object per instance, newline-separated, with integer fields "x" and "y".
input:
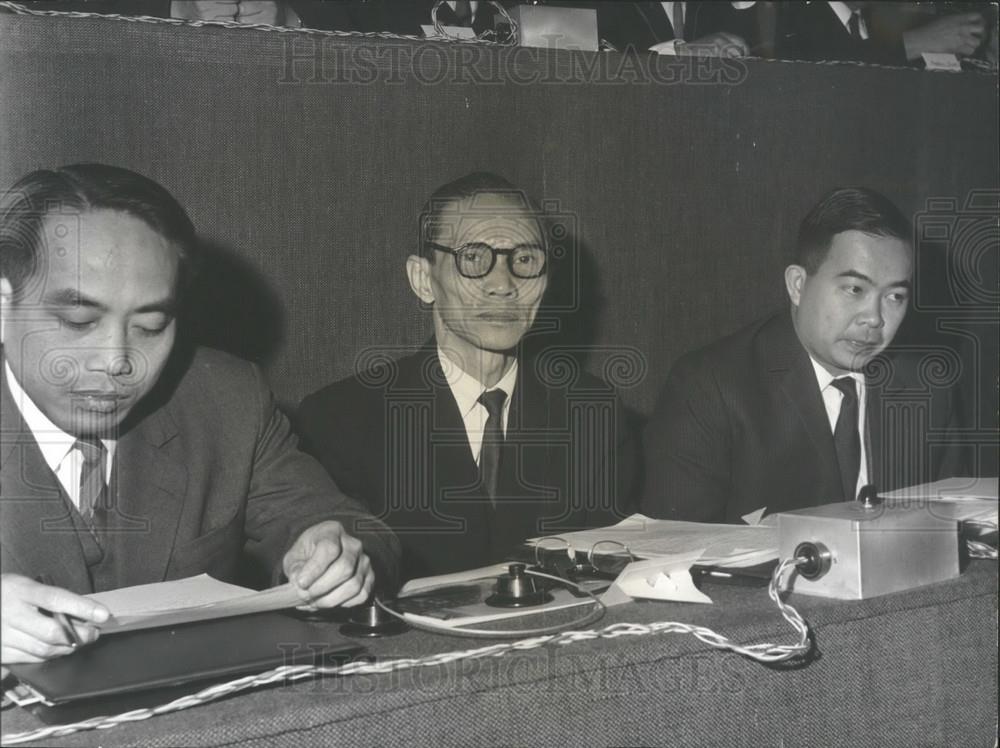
{"x": 907, "y": 669}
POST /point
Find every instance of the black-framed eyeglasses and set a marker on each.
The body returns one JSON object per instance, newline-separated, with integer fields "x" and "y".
{"x": 477, "y": 259}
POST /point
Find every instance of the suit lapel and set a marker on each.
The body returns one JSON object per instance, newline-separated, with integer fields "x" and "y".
{"x": 456, "y": 475}
{"x": 150, "y": 480}
{"x": 789, "y": 362}
{"x": 655, "y": 19}
{"x": 35, "y": 517}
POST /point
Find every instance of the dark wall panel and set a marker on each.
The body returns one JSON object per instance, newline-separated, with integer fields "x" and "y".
{"x": 304, "y": 160}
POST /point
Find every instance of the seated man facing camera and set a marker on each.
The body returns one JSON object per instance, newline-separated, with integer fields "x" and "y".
{"x": 468, "y": 447}
{"x": 795, "y": 410}
{"x": 127, "y": 459}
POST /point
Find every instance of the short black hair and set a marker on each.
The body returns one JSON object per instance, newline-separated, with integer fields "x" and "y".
{"x": 847, "y": 209}
{"x": 476, "y": 183}
{"x": 75, "y": 189}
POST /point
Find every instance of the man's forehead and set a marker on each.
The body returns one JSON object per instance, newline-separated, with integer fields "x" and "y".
{"x": 488, "y": 217}
{"x": 856, "y": 247}
{"x": 77, "y": 248}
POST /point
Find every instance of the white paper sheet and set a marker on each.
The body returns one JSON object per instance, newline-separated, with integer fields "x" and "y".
{"x": 964, "y": 499}
{"x": 721, "y": 545}
{"x": 198, "y": 598}
{"x": 667, "y": 578}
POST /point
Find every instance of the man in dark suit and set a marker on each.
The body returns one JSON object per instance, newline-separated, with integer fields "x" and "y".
{"x": 800, "y": 408}
{"x": 697, "y": 28}
{"x": 468, "y": 446}
{"x": 127, "y": 459}
{"x": 864, "y": 32}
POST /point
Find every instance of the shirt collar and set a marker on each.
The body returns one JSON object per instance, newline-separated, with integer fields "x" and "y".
{"x": 843, "y": 13}
{"x": 53, "y": 442}
{"x": 467, "y": 389}
{"x": 824, "y": 378}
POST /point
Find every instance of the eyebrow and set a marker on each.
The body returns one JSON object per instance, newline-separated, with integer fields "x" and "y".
{"x": 70, "y": 297}
{"x": 866, "y": 279}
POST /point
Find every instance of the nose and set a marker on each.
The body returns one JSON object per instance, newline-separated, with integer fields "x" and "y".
{"x": 500, "y": 281}
{"x": 871, "y": 314}
{"x": 113, "y": 356}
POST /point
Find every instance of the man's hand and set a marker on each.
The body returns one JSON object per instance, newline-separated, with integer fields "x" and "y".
{"x": 329, "y": 567}
{"x": 720, "y": 44}
{"x": 29, "y": 633}
{"x": 959, "y": 34}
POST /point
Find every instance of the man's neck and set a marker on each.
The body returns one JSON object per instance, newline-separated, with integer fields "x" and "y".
{"x": 487, "y": 367}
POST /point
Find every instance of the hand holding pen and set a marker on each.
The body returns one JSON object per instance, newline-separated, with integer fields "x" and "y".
{"x": 41, "y": 621}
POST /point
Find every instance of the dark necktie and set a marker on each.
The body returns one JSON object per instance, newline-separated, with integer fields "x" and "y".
{"x": 92, "y": 485}
{"x": 678, "y": 21}
{"x": 489, "y": 454}
{"x": 846, "y": 438}
{"x": 463, "y": 13}
{"x": 854, "y": 25}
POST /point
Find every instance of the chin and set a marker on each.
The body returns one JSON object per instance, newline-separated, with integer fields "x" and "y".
{"x": 98, "y": 425}
{"x": 499, "y": 341}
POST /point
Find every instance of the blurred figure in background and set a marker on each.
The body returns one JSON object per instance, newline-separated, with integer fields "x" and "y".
{"x": 680, "y": 28}
{"x": 882, "y": 33}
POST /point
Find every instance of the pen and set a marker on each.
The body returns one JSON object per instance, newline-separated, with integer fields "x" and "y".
{"x": 61, "y": 618}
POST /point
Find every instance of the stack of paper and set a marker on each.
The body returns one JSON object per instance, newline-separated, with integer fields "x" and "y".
{"x": 719, "y": 545}
{"x": 199, "y": 598}
{"x": 965, "y": 499}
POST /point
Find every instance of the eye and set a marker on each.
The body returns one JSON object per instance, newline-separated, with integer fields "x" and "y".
{"x": 853, "y": 290}
{"x": 154, "y": 326}
{"x": 898, "y": 298}
{"x": 151, "y": 331}
{"x": 78, "y": 324}
{"x": 474, "y": 253}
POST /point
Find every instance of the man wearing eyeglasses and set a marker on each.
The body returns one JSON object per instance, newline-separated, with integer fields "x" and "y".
{"x": 469, "y": 446}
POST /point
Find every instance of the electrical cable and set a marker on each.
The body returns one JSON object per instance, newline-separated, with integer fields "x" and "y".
{"x": 766, "y": 653}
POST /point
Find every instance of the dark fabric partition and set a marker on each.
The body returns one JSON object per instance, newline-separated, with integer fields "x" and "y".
{"x": 304, "y": 158}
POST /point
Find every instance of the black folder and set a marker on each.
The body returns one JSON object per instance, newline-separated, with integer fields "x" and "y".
{"x": 151, "y": 660}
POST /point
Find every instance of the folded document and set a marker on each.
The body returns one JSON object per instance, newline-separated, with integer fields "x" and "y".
{"x": 730, "y": 546}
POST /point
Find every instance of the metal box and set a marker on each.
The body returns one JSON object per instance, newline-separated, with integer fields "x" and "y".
{"x": 872, "y": 550}
{"x": 555, "y": 28}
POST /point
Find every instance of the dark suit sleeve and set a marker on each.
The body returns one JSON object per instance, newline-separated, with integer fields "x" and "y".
{"x": 687, "y": 446}
{"x": 290, "y": 492}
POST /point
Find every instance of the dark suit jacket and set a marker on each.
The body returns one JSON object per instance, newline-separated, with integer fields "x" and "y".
{"x": 208, "y": 469}
{"x": 741, "y": 425}
{"x": 393, "y": 437}
{"x": 640, "y": 25}
{"x": 407, "y": 16}
{"x": 812, "y": 31}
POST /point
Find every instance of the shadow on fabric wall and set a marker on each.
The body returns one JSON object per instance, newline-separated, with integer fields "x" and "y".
{"x": 570, "y": 319}
{"x": 232, "y": 307}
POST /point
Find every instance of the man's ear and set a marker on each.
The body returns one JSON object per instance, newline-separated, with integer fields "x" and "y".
{"x": 795, "y": 279}
{"x": 418, "y": 272}
{"x": 6, "y": 301}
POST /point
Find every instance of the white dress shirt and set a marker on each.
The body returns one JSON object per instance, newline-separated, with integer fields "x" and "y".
{"x": 55, "y": 444}
{"x": 466, "y": 390}
{"x": 832, "y": 398}
{"x": 844, "y": 14}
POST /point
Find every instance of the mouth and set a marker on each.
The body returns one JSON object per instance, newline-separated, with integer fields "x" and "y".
{"x": 861, "y": 346}
{"x": 101, "y": 401}
{"x": 499, "y": 316}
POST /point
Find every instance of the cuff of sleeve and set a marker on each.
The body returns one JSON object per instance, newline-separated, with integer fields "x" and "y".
{"x": 668, "y": 48}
